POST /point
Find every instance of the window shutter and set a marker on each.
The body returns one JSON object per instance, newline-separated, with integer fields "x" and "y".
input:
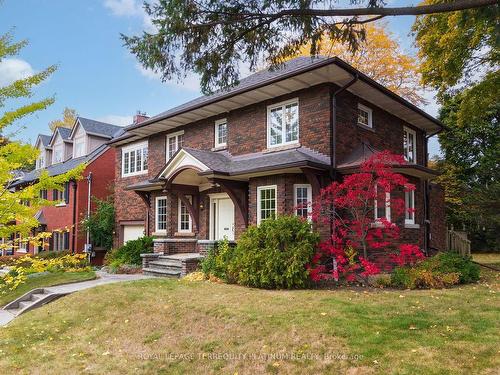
{"x": 66, "y": 192}
{"x": 51, "y": 242}
{"x": 54, "y": 194}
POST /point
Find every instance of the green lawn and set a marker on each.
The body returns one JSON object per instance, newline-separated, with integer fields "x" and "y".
{"x": 178, "y": 327}
{"x": 45, "y": 280}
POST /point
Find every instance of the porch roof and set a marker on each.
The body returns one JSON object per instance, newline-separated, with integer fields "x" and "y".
{"x": 145, "y": 185}
{"x": 223, "y": 163}
{"x": 364, "y": 151}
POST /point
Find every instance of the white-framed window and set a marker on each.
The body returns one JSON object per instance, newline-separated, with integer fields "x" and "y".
{"x": 79, "y": 147}
{"x": 60, "y": 241}
{"x": 221, "y": 133}
{"x": 184, "y": 219}
{"x": 410, "y": 207}
{"x": 365, "y": 116}
{"x": 135, "y": 159}
{"x": 382, "y": 209}
{"x": 174, "y": 142}
{"x": 161, "y": 214}
{"x": 283, "y": 123}
{"x": 22, "y": 245}
{"x": 266, "y": 202}
{"x": 57, "y": 153}
{"x": 409, "y": 145}
{"x": 302, "y": 198}
{"x": 40, "y": 161}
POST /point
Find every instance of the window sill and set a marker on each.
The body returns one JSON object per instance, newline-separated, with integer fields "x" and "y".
{"x": 281, "y": 147}
{"x": 134, "y": 174}
{"x": 219, "y": 148}
{"x": 412, "y": 226}
{"x": 21, "y": 251}
{"x": 60, "y": 205}
{"x": 162, "y": 233}
{"x": 364, "y": 127}
{"x": 184, "y": 234}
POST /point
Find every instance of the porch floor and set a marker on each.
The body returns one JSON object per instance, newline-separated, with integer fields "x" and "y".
{"x": 182, "y": 256}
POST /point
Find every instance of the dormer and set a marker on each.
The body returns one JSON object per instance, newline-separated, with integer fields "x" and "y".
{"x": 45, "y": 152}
{"x": 87, "y": 135}
{"x": 61, "y": 144}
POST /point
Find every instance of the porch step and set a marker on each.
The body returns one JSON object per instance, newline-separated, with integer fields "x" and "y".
{"x": 150, "y": 271}
{"x": 164, "y": 263}
{"x": 31, "y": 300}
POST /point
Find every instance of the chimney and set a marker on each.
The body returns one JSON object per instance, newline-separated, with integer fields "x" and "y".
{"x": 140, "y": 117}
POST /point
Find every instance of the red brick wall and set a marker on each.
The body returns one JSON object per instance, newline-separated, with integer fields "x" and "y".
{"x": 437, "y": 217}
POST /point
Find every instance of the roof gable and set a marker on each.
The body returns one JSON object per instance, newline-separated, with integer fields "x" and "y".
{"x": 95, "y": 128}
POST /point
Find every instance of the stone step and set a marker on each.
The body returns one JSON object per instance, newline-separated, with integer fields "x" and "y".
{"x": 37, "y": 296}
{"x": 24, "y": 304}
{"x": 166, "y": 263}
{"x": 150, "y": 271}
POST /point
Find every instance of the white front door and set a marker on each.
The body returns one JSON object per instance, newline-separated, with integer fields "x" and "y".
{"x": 222, "y": 220}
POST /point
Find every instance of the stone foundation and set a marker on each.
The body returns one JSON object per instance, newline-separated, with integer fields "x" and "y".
{"x": 168, "y": 246}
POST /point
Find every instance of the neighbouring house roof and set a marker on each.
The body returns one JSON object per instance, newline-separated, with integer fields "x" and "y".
{"x": 97, "y": 128}
{"x": 40, "y": 218}
{"x": 64, "y": 133}
{"x": 44, "y": 139}
{"x": 364, "y": 151}
{"x": 59, "y": 168}
{"x": 222, "y": 163}
{"x": 296, "y": 74}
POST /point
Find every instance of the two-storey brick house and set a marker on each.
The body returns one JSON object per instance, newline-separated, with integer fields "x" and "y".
{"x": 209, "y": 168}
{"x": 85, "y": 143}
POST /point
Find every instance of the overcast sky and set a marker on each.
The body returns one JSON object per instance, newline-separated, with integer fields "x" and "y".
{"x": 96, "y": 75}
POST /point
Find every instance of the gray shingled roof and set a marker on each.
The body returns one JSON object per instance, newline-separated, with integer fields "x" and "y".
{"x": 99, "y": 128}
{"x": 224, "y": 163}
{"x": 45, "y": 139}
{"x": 261, "y": 77}
{"x": 59, "y": 168}
{"x": 64, "y": 132}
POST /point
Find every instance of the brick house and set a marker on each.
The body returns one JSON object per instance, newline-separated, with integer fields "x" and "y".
{"x": 207, "y": 169}
{"x": 60, "y": 152}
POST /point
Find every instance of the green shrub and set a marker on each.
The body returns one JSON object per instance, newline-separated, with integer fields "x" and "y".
{"x": 52, "y": 254}
{"x": 440, "y": 271}
{"x": 274, "y": 254}
{"x": 130, "y": 253}
{"x": 217, "y": 261}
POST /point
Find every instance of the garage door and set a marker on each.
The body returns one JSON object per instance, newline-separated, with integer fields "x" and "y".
{"x": 132, "y": 232}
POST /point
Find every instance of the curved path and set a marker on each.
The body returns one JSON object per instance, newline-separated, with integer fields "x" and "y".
{"x": 102, "y": 278}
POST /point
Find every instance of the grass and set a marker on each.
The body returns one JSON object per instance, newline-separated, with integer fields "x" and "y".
{"x": 45, "y": 280}
{"x": 487, "y": 258}
{"x": 177, "y": 327}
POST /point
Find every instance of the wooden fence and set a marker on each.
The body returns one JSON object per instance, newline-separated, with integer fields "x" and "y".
{"x": 457, "y": 241}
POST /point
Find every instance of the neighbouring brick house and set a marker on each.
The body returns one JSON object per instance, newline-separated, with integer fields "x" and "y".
{"x": 209, "y": 168}
{"x": 60, "y": 152}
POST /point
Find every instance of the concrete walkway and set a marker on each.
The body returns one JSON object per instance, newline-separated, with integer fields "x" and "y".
{"x": 103, "y": 278}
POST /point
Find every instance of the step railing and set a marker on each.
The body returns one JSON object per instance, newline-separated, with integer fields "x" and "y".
{"x": 458, "y": 242}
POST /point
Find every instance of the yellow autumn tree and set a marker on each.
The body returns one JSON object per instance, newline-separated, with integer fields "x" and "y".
{"x": 67, "y": 121}
{"x": 380, "y": 57}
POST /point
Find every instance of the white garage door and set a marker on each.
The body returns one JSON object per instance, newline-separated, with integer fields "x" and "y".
{"x": 132, "y": 232}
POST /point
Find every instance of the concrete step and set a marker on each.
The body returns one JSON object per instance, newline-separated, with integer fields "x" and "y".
{"x": 153, "y": 271}
{"x": 24, "y": 304}
{"x": 37, "y": 296}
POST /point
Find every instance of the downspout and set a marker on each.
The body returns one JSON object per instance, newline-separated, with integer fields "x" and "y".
{"x": 89, "y": 183}
{"x": 73, "y": 228}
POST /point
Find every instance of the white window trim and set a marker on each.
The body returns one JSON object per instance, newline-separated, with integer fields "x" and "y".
{"x": 283, "y": 128}
{"x": 157, "y": 230}
{"x": 190, "y": 229}
{"x": 129, "y": 148}
{"x": 410, "y": 221}
{"x": 54, "y": 153}
{"x": 414, "y": 133}
{"x": 387, "y": 206}
{"x": 309, "y": 198}
{"x": 370, "y": 115}
{"x": 217, "y": 123}
{"x": 167, "y": 146}
{"x": 267, "y": 187}
{"x": 75, "y": 142}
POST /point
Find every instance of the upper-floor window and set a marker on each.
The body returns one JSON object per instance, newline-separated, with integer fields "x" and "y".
{"x": 302, "y": 200}
{"x": 43, "y": 194}
{"x": 135, "y": 159}
{"x": 221, "y": 133}
{"x": 40, "y": 162}
{"x": 266, "y": 202}
{"x": 174, "y": 142}
{"x": 365, "y": 116}
{"x": 58, "y": 153}
{"x": 283, "y": 123}
{"x": 79, "y": 147}
{"x": 409, "y": 145}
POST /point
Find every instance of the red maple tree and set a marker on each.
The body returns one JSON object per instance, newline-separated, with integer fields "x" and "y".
{"x": 362, "y": 213}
